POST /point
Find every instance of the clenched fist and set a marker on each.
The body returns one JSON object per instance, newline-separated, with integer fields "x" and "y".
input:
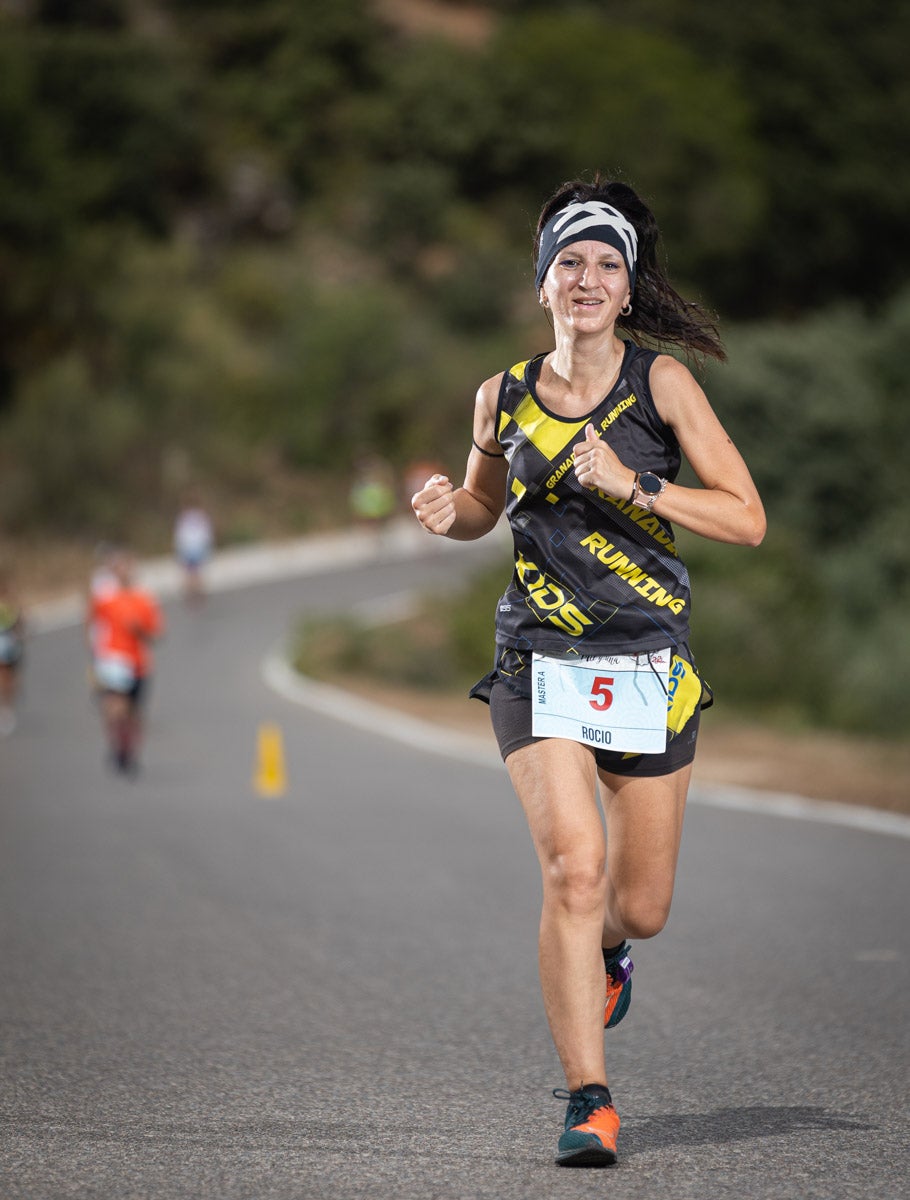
{"x": 434, "y": 505}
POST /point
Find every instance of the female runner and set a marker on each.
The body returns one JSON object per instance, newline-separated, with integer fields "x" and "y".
{"x": 581, "y": 446}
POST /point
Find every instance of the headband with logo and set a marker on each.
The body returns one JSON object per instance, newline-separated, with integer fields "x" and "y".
{"x": 587, "y": 221}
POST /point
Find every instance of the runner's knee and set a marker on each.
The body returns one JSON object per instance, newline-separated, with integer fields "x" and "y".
{"x": 642, "y": 914}
{"x": 575, "y": 882}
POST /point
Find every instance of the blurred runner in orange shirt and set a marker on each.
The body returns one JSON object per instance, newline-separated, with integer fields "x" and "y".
{"x": 122, "y": 624}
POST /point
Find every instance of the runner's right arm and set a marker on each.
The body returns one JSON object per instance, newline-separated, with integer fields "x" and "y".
{"x": 469, "y": 512}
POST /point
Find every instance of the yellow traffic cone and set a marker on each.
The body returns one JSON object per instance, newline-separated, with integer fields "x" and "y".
{"x": 270, "y": 778}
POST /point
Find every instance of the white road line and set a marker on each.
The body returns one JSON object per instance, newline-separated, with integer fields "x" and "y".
{"x": 375, "y": 718}
{"x": 801, "y": 808}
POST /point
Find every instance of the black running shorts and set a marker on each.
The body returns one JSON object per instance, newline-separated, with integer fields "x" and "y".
{"x": 511, "y": 715}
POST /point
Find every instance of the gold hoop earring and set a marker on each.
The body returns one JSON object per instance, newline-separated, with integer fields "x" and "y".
{"x": 626, "y": 309}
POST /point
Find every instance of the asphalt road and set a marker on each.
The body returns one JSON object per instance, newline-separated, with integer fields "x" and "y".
{"x": 332, "y": 994}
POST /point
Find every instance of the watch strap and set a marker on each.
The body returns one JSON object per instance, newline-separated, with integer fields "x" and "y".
{"x": 647, "y": 500}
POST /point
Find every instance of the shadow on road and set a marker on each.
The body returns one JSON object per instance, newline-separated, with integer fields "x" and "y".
{"x": 729, "y": 1125}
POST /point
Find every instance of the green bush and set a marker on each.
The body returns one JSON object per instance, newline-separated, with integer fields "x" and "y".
{"x": 72, "y": 445}
{"x": 818, "y": 408}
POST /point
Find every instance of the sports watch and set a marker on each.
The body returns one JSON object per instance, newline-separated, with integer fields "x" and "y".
{"x": 648, "y": 487}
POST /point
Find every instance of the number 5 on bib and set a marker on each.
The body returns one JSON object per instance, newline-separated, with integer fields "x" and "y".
{"x": 617, "y": 702}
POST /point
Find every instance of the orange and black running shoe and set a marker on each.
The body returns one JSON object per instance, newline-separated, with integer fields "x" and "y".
{"x": 592, "y": 1124}
{"x": 619, "y": 969}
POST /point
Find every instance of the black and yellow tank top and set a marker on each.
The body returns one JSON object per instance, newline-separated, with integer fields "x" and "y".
{"x": 593, "y": 574}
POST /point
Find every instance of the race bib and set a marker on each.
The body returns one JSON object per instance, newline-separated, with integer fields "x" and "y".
{"x": 618, "y": 702}
{"x": 114, "y": 673}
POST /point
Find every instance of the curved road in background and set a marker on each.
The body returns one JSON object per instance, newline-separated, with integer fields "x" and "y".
{"x": 332, "y": 993}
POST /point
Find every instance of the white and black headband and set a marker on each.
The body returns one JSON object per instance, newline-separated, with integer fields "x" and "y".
{"x": 587, "y": 221}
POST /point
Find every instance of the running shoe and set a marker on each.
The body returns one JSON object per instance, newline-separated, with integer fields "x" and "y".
{"x": 619, "y": 969}
{"x": 592, "y": 1124}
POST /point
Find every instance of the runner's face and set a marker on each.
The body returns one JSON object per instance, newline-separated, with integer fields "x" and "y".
{"x": 586, "y": 285}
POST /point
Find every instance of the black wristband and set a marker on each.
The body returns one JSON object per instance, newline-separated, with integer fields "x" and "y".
{"x": 634, "y": 486}
{"x": 488, "y": 453}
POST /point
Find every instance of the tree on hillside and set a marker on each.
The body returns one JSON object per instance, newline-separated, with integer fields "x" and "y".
{"x": 828, "y": 84}
{"x": 99, "y": 137}
{"x": 501, "y": 127}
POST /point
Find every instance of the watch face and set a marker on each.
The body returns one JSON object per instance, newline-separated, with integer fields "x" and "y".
{"x": 649, "y": 483}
